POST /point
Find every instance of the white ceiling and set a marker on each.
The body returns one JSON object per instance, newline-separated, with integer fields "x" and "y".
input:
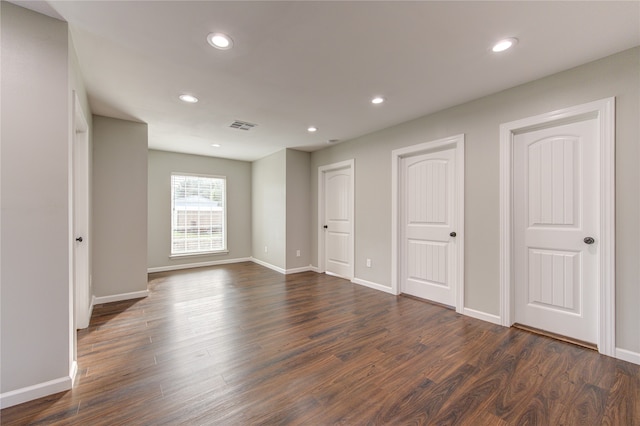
{"x": 296, "y": 64}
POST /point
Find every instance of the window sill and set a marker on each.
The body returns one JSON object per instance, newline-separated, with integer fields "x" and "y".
{"x": 200, "y": 254}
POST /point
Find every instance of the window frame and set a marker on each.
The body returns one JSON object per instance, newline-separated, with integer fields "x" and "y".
{"x": 225, "y": 248}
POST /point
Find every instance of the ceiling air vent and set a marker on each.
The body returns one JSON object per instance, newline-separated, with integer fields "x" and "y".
{"x": 242, "y": 125}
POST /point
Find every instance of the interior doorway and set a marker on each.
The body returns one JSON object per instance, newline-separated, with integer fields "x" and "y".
{"x": 428, "y": 221}
{"x": 336, "y": 219}
{"x": 557, "y": 248}
{"x": 81, "y": 228}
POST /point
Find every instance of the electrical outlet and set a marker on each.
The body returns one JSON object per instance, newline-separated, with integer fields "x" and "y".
{"x": 266, "y": 249}
{"x": 368, "y": 263}
{"x": 297, "y": 253}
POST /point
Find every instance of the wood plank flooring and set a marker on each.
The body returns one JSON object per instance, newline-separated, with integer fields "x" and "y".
{"x": 243, "y": 345}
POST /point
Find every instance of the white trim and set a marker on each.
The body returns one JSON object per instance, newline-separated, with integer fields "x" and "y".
{"x": 73, "y": 372}
{"x": 225, "y": 231}
{"x": 90, "y": 313}
{"x": 607, "y": 331}
{"x": 198, "y": 254}
{"x": 494, "y": 319}
{"x": 298, "y": 270}
{"x": 604, "y": 111}
{"x": 373, "y": 285}
{"x": 29, "y": 393}
{"x": 453, "y": 142}
{"x": 506, "y": 303}
{"x": 196, "y": 265}
{"x": 281, "y": 270}
{"x": 93, "y": 302}
{"x": 314, "y": 269}
{"x": 229, "y": 261}
{"x": 119, "y": 297}
{"x": 347, "y": 164}
{"x": 268, "y": 265}
{"x": 628, "y": 356}
{"x": 79, "y": 211}
{"x": 71, "y": 216}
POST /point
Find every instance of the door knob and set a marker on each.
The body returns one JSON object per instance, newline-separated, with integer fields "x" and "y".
{"x": 453, "y": 234}
{"x": 325, "y": 226}
{"x": 79, "y": 239}
{"x": 589, "y": 240}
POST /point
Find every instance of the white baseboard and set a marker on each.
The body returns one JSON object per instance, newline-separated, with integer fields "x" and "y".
{"x": 268, "y": 265}
{"x": 29, "y": 393}
{"x": 228, "y": 261}
{"x": 196, "y": 265}
{"x": 297, "y": 270}
{"x": 494, "y": 319}
{"x": 373, "y": 285}
{"x": 119, "y": 297}
{"x": 628, "y": 356}
{"x": 315, "y": 269}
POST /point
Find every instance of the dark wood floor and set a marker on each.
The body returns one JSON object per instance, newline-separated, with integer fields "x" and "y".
{"x": 243, "y": 345}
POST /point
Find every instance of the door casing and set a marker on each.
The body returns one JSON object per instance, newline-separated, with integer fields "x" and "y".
{"x": 347, "y": 164}
{"x": 604, "y": 112}
{"x": 453, "y": 142}
{"x": 81, "y": 217}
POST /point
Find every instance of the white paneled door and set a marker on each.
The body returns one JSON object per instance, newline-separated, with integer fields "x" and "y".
{"x": 556, "y": 223}
{"x": 338, "y": 222}
{"x": 427, "y": 210}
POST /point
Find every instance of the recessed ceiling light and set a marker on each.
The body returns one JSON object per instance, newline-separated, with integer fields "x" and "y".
{"x": 505, "y": 44}
{"x": 312, "y": 129}
{"x": 377, "y": 100}
{"x": 188, "y": 98}
{"x": 220, "y": 41}
{"x": 215, "y": 145}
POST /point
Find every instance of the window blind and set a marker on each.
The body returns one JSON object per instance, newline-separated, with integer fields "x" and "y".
{"x": 198, "y": 214}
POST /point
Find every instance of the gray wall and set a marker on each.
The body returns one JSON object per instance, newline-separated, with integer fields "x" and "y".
{"x": 281, "y": 209}
{"x": 617, "y": 75}
{"x": 35, "y": 328}
{"x": 298, "y": 208}
{"x": 119, "y": 195}
{"x": 76, "y": 84}
{"x": 268, "y": 206}
{"x": 238, "y": 174}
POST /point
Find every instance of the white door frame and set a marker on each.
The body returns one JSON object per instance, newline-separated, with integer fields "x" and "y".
{"x": 453, "y": 142}
{"x": 80, "y": 136}
{"x": 604, "y": 111}
{"x": 347, "y": 164}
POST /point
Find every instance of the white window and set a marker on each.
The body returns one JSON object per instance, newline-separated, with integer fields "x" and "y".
{"x": 198, "y": 214}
